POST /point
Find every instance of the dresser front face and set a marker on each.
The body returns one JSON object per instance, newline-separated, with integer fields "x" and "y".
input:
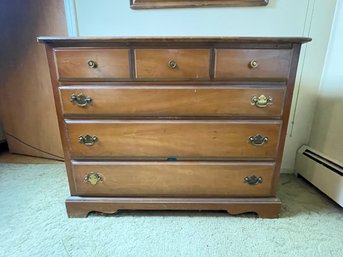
{"x": 172, "y": 117}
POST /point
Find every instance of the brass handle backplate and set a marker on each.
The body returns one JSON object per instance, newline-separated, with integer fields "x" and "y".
{"x": 172, "y": 64}
{"x": 81, "y": 100}
{"x": 258, "y": 140}
{"x": 88, "y": 140}
{"x": 253, "y": 180}
{"x": 93, "y": 178}
{"x": 92, "y": 64}
{"x": 261, "y": 101}
{"x": 253, "y": 64}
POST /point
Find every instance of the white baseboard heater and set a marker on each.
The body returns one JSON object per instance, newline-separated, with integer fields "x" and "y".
{"x": 323, "y": 172}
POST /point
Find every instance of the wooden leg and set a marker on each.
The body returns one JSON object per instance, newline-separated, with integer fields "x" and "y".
{"x": 75, "y": 211}
{"x": 269, "y": 213}
{"x": 79, "y": 207}
{"x": 265, "y": 213}
{"x": 82, "y": 209}
{"x": 263, "y": 210}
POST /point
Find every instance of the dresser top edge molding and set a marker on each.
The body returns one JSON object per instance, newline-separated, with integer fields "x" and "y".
{"x": 229, "y": 40}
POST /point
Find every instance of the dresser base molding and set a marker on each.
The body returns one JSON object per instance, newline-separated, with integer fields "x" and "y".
{"x": 80, "y": 207}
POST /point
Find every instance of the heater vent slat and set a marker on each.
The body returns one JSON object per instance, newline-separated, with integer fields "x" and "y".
{"x": 325, "y": 162}
{"x": 322, "y": 171}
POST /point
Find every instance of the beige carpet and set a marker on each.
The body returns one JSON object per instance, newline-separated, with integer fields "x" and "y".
{"x": 34, "y": 223}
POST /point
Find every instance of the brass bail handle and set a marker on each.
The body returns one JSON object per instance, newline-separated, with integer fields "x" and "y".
{"x": 253, "y": 180}
{"x": 258, "y": 140}
{"x": 81, "y": 100}
{"x": 92, "y": 64}
{"x": 261, "y": 101}
{"x": 93, "y": 178}
{"x": 172, "y": 64}
{"x": 88, "y": 140}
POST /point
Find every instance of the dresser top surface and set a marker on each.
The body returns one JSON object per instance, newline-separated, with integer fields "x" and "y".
{"x": 121, "y": 40}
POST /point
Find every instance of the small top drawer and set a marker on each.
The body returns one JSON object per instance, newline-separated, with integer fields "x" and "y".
{"x": 92, "y": 64}
{"x": 172, "y": 64}
{"x": 252, "y": 63}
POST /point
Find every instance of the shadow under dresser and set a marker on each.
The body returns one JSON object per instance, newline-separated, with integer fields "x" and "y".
{"x": 174, "y": 123}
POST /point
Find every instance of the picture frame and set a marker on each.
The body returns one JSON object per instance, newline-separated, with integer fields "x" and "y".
{"x": 155, "y": 4}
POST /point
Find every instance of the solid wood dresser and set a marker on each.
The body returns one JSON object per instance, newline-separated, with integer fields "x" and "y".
{"x": 173, "y": 123}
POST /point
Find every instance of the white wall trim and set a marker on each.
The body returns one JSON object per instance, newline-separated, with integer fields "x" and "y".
{"x": 71, "y": 18}
{"x": 306, "y": 33}
{"x": 332, "y": 35}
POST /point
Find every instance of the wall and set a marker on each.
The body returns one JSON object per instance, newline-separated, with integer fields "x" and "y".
{"x": 326, "y": 135}
{"x": 26, "y": 102}
{"x": 280, "y": 18}
{"x": 318, "y": 24}
{"x": 115, "y": 18}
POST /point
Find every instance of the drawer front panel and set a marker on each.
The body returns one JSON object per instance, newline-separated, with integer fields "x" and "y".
{"x": 219, "y": 179}
{"x": 172, "y": 64}
{"x": 252, "y": 63}
{"x": 164, "y": 139}
{"x": 173, "y": 101}
{"x": 92, "y": 64}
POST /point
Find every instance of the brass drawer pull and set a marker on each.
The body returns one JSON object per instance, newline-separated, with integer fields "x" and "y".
{"x": 253, "y": 64}
{"x": 88, "y": 140}
{"x": 92, "y": 64}
{"x": 81, "y": 100}
{"x": 261, "y": 101}
{"x": 172, "y": 64}
{"x": 93, "y": 178}
{"x": 258, "y": 140}
{"x": 253, "y": 180}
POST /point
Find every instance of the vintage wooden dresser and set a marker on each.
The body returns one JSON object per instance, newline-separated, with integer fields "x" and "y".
{"x": 173, "y": 123}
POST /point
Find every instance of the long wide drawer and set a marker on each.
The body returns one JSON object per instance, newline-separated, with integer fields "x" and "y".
{"x": 165, "y": 139}
{"x": 194, "y": 179}
{"x": 172, "y": 101}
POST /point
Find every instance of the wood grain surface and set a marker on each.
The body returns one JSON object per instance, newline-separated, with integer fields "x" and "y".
{"x": 264, "y": 207}
{"x": 152, "y": 64}
{"x": 164, "y": 101}
{"x": 153, "y": 4}
{"x": 72, "y": 64}
{"x": 234, "y": 63}
{"x": 207, "y": 179}
{"x": 177, "y": 137}
{"x": 26, "y": 99}
{"x": 228, "y": 41}
{"x": 164, "y": 139}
